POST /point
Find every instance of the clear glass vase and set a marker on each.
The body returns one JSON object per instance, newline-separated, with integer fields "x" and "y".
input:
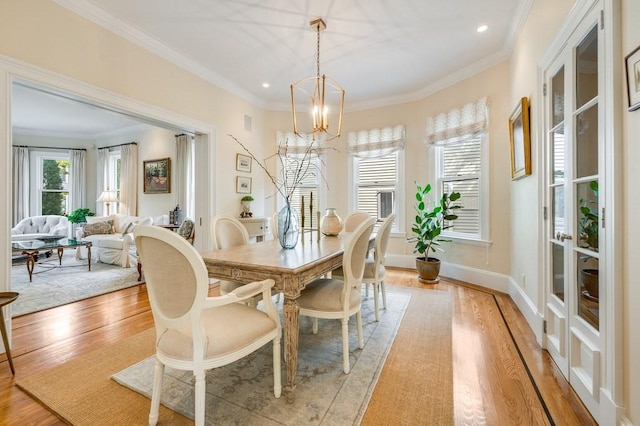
{"x": 288, "y": 227}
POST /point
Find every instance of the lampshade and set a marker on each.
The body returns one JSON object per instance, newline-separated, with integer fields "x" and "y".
{"x": 320, "y": 98}
{"x": 108, "y": 196}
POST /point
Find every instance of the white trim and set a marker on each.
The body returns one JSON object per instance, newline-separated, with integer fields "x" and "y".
{"x": 534, "y": 318}
{"x": 487, "y": 279}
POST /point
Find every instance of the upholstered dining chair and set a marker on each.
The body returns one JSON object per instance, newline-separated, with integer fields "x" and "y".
{"x": 227, "y": 231}
{"x": 374, "y": 270}
{"x": 194, "y": 331}
{"x": 187, "y": 230}
{"x": 341, "y": 298}
{"x": 354, "y": 219}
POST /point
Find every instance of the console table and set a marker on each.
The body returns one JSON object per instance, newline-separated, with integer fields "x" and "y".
{"x": 257, "y": 226}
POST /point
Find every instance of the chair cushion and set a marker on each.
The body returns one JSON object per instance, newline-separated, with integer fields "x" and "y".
{"x": 250, "y": 324}
{"x": 369, "y": 270}
{"x": 105, "y": 227}
{"x": 325, "y": 295}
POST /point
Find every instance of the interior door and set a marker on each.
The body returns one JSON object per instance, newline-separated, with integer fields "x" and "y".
{"x": 575, "y": 138}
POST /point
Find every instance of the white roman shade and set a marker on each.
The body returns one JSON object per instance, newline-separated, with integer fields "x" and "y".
{"x": 376, "y": 143}
{"x": 291, "y": 144}
{"x": 458, "y": 125}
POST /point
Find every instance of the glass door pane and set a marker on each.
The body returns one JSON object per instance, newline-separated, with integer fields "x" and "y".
{"x": 587, "y": 68}
{"x": 557, "y": 268}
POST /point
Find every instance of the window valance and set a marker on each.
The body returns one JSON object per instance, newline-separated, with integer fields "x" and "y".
{"x": 291, "y": 144}
{"x": 376, "y": 143}
{"x": 458, "y": 124}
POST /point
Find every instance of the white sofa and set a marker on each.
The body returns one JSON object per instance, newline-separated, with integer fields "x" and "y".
{"x": 40, "y": 226}
{"x": 118, "y": 246}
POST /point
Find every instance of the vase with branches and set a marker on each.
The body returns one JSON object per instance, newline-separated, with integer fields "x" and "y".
{"x": 293, "y": 171}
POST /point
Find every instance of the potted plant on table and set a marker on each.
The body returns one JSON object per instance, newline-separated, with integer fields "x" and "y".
{"x": 77, "y": 217}
{"x": 427, "y": 227}
{"x": 245, "y": 202}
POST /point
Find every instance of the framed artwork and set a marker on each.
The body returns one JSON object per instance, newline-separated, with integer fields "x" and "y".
{"x": 520, "y": 140}
{"x": 243, "y": 185}
{"x": 157, "y": 176}
{"x": 632, "y": 63}
{"x": 243, "y": 163}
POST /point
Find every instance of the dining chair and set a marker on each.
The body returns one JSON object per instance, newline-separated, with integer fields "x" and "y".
{"x": 374, "y": 270}
{"x": 194, "y": 331}
{"x": 354, "y": 219}
{"x": 333, "y": 298}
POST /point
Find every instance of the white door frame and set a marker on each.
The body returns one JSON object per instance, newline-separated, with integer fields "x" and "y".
{"x": 611, "y": 398}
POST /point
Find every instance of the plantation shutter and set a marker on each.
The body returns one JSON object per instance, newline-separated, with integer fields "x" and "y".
{"x": 377, "y": 185}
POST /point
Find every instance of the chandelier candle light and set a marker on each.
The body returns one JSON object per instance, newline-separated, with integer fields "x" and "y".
{"x": 321, "y": 95}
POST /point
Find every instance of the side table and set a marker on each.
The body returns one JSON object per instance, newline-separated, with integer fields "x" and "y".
{"x": 5, "y": 299}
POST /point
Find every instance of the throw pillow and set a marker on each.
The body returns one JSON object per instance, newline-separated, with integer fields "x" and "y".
{"x": 130, "y": 227}
{"x": 105, "y": 227}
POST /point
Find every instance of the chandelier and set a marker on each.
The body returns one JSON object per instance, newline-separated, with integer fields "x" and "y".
{"x": 321, "y": 96}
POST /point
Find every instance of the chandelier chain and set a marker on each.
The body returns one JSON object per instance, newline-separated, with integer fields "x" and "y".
{"x": 318, "y": 51}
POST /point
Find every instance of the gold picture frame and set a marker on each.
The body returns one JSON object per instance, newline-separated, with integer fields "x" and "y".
{"x": 243, "y": 163}
{"x": 520, "y": 140}
{"x": 157, "y": 176}
{"x": 243, "y": 185}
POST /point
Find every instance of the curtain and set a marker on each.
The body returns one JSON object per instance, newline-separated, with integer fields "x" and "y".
{"x": 129, "y": 179}
{"x": 102, "y": 177}
{"x": 77, "y": 176}
{"x": 20, "y": 183}
{"x": 376, "y": 143}
{"x": 185, "y": 177}
{"x": 458, "y": 124}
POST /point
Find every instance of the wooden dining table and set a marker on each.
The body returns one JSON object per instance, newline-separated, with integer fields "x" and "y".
{"x": 291, "y": 269}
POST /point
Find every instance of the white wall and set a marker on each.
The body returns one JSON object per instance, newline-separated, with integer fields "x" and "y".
{"x": 631, "y": 287}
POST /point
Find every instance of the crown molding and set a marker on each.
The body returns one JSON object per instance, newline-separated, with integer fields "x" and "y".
{"x": 109, "y": 22}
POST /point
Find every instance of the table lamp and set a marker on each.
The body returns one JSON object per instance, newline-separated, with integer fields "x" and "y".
{"x": 108, "y": 197}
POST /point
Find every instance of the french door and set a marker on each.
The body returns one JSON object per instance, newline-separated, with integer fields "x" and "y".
{"x": 574, "y": 124}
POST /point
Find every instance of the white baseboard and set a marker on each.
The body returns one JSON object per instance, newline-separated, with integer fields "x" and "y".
{"x": 528, "y": 309}
{"x": 611, "y": 413}
{"x": 487, "y": 279}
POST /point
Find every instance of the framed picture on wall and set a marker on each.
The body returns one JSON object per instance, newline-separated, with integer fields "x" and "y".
{"x": 243, "y": 185}
{"x": 632, "y": 64}
{"x": 520, "y": 140}
{"x": 243, "y": 163}
{"x": 157, "y": 176}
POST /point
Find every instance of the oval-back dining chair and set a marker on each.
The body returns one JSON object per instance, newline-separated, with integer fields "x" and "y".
{"x": 194, "y": 331}
{"x": 340, "y": 298}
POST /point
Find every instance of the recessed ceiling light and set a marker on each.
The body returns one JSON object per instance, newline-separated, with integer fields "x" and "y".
{"x": 482, "y": 28}
{"x": 265, "y": 85}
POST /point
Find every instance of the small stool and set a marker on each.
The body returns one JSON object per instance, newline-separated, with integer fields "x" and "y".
{"x": 5, "y": 299}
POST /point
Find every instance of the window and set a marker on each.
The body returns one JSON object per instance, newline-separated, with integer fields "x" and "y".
{"x": 377, "y": 159}
{"x": 52, "y": 177}
{"x": 113, "y": 177}
{"x": 460, "y": 167}
{"x": 460, "y": 142}
{"x": 310, "y": 184}
{"x": 377, "y": 185}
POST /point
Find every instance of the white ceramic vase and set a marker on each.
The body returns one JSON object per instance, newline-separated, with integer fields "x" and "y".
{"x": 331, "y": 224}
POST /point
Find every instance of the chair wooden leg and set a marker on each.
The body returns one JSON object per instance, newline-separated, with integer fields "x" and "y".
{"x": 157, "y": 390}
{"x": 199, "y": 398}
{"x": 277, "y": 380}
{"x": 314, "y": 322}
{"x": 345, "y": 345}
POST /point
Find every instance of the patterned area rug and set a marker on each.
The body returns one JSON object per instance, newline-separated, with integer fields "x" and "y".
{"x": 242, "y": 392}
{"x": 55, "y": 285}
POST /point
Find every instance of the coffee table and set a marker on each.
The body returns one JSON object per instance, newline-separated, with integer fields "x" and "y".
{"x": 32, "y": 248}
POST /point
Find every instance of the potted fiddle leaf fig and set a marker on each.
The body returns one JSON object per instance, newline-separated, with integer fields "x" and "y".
{"x": 427, "y": 228}
{"x": 588, "y": 239}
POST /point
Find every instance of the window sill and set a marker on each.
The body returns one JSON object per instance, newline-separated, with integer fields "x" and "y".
{"x": 469, "y": 241}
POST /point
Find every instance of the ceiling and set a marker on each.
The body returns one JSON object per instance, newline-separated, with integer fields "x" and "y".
{"x": 381, "y": 52}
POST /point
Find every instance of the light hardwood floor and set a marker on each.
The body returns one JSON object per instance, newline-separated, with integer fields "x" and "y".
{"x": 501, "y": 375}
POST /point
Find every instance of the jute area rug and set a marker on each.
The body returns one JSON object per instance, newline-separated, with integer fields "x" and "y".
{"x": 56, "y": 285}
{"x": 81, "y": 393}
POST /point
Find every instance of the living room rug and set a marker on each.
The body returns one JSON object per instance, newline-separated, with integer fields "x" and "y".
{"x": 55, "y": 285}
